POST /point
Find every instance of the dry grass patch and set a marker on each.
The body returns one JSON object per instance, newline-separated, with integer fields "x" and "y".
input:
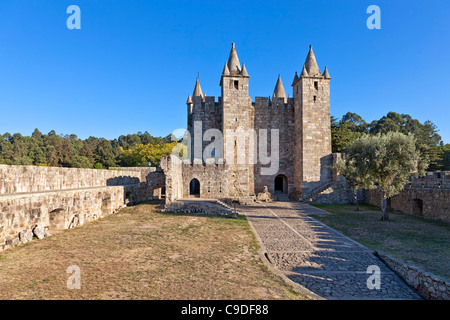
{"x": 142, "y": 254}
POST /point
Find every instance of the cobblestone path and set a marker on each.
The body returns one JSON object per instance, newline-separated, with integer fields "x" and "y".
{"x": 317, "y": 257}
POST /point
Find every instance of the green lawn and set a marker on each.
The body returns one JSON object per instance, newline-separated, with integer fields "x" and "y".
{"x": 420, "y": 242}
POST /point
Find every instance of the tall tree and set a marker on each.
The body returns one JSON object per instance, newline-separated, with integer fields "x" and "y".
{"x": 387, "y": 161}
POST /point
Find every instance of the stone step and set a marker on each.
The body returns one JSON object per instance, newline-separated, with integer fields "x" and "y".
{"x": 316, "y": 191}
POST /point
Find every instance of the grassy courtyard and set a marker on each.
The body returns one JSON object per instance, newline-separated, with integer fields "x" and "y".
{"x": 142, "y": 254}
{"x": 420, "y": 242}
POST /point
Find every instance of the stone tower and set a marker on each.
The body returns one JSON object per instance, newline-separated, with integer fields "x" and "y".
{"x": 297, "y": 130}
{"x": 237, "y": 114}
{"x": 312, "y": 136}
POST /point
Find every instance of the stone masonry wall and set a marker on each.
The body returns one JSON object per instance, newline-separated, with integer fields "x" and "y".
{"x": 212, "y": 178}
{"x": 427, "y": 196}
{"x": 312, "y": 132}
{"x": 21, "y": 179}
{"x": 238, "y": 114}
{"x": 280, "y": 116}
{"x": 429, "y": 286}
{"x": 144, "y": 171}
{"x": 52, "y": 211}
{"x": 338, "y": 193}
{"x": 36, "y": 201}
{"x": 427, "y": 202}
{"x": 172, "y": 168}
{"x": 206, "y": 113}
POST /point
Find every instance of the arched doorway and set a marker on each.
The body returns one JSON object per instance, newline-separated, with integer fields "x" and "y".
{"x": 281, "y": 184}
{"x": 194, "y": 188}
{"x": 418, "y": 207}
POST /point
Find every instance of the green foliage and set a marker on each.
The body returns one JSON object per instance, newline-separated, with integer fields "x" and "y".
{"x": 385, "y": 161}
{"x": 445, "y": 157}
{"x": 98, "y": 166}
{"x": 428, "y": 141}
{"x": 356, "y": 174}
{"x": 141, "y": 155}
{"x": 68, "y": 151}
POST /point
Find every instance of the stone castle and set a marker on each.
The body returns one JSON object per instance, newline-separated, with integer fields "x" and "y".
{"x": 301, "y": 124}
{"x": 40, "y": 201}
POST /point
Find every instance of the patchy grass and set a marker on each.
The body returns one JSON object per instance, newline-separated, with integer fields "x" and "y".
{"x": 142, "y": 254}
{"x": 420, "y": 242}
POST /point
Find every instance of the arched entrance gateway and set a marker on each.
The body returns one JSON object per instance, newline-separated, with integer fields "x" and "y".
{"x": 194, "y": 188}
{"x": 281, "y": 184}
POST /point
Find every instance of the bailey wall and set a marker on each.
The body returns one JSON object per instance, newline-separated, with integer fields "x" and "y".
{"x": 49, "y": 199}
{"x": 427, "y": 196}
{"x": 23, "y": 179}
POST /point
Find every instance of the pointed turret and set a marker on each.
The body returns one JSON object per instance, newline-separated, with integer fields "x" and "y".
{"x": 244, "y": 72}
{"x": 311, "y": 64}
{"x": 304, "y": 72}
{"x": 325, "y": 74}
{"x": 295, "y": 78}
{"x": 189, "y": 100}
{"x": 197, "y": 90}
{"x": 233, "y": 61}
{"x": 279, "y": 92}
{"x": 226, "y": 71}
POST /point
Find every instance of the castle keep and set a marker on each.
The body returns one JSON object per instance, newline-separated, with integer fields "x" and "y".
{"x": 285, "y": 142}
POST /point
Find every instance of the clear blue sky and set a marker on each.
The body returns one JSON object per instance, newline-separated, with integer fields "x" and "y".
{"x": 133, "y": 63}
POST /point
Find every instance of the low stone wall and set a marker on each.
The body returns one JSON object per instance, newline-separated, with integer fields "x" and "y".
{"x": 438, "y": 180}
{"x": 58, "y": 210}
{"x": 36, "y": 201}
{"x": 22, "y": 179}
{"x": 429, "y": 286}
{"x": 173, "y": 172}
{"x": 430, "y": 203}
{"x": 197, "y": 206}
{"x": 338, "y": 193}
{"x": 144, "y": 191}
{"x": 144, "y": 171}
{"x": 52, "y": 211}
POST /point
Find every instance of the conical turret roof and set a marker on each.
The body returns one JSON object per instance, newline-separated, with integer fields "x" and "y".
{"x": 197, "y": 90}
{"x": 325, "y": 74}
{"x": 304, "y": 72}
{"x": 295, "y": 78}
{"x": 233, "y": 61}
{"x": 279, "y": 92}
{"x": 244, "y": 72}
{"x": 189, "y": 100}
{"x": 226, "y": 71}
{"x": 311, "y": 64}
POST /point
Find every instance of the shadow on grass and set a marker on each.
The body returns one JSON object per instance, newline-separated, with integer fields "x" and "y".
{"x": 421, "y": 242}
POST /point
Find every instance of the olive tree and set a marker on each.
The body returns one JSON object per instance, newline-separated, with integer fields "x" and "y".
{"x": 356, "y": 177}
{"x": 383, "y": 161}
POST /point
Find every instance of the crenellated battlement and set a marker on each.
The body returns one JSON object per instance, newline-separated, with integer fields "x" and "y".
{"x": 298, "y": 127}
{"x": 267, "y": 102}
{"x": 435, "y": 180}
